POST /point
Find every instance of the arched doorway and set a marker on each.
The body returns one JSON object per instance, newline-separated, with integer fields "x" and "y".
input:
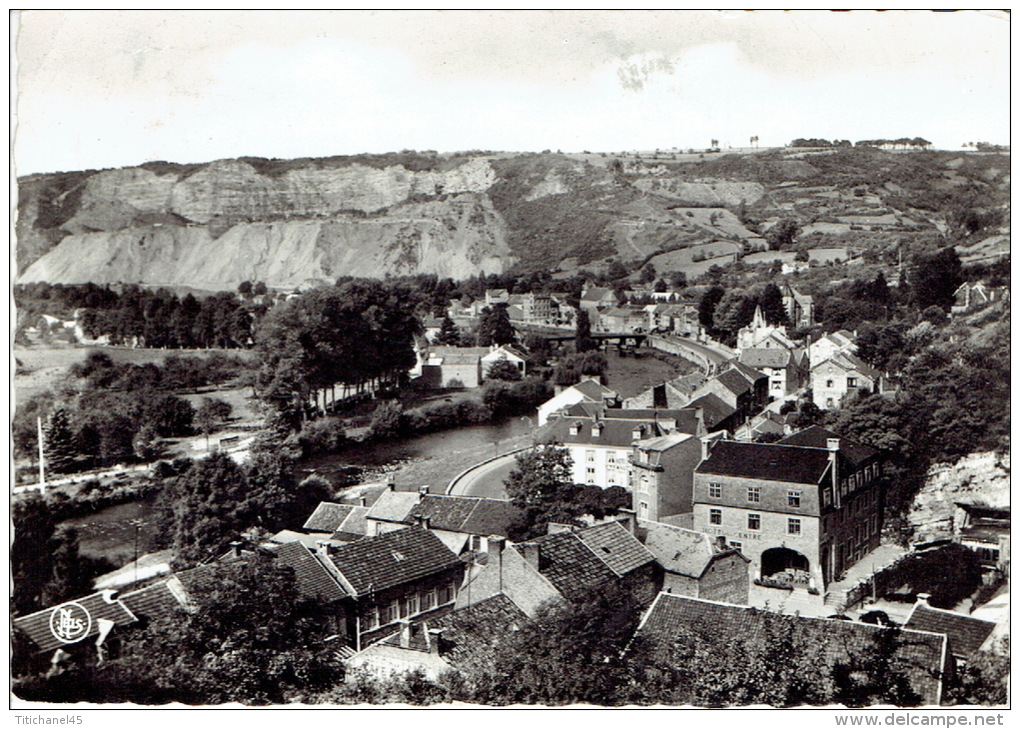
{"x": 785, "y": 565}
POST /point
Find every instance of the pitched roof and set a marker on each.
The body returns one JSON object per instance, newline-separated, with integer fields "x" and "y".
{"x": 595, "y": 293}
{"x": 816, "y": 436}
{"x": 36, "y": 627}
{"x": 686, "y": 418}
{"x": 681, "y": 551}
{"x": 734, "y": 381}
{"x": 713, "y": 408}
{"x": 615, "y": 546}
{"x": 314, "y": 579}
{"x": 966, "y": 634}
{"x": 767, "y": 461}
{"x": 327, "y": 517}
{"x": 466, "y": 514}
{"x": 612, "y": 433}
{"x": 851, "y": 363}
{"x": 749, "y": 373}
{"x": 594, "y": 390}
{"x": 155, "y": 602}
{"x": 765, "y": 357}
{"x": 663, "y": 442}
{"x": 393, "y": 558}
{"x": 353, "y": 527}
{"x": 576, "y": 561}
{"x": 472, "y": 637}
{"x": 920, "y": 655}
{"x": 393, "y": 505}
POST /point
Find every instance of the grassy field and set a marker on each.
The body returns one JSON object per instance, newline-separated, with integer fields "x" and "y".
{"x": 38, "y": 369}
{"x": 630, "y": 376}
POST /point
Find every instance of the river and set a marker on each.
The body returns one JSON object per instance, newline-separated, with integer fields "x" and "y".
{"x": 433, "y": 458}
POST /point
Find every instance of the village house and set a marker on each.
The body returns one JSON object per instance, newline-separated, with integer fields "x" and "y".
{"x": 675, "y": 393}
{"x": 534, "y": 308}
{"x": 840, "y": 376}
{"x": 800, "y": 308}
{"x": 496, "y": 296}
{"x": 431, "y": 326}
{"x": 759, "y": 334}
{"x": 740, "y": 387}
{"x": 841, "y": 342}
{"x": 986, "y": 530}
{"x": 467, "y": 639}
{"x": 662, "y": 474}
{"x": 695, "y": 564}
{"x": 463, "y": 523}
{"x": 803, "y": 509}
{"x": 974, "y": 295}
{"x": 786, "y": 368}
{"x": 465, "y": 367}
{"x": 623, "y": 320}
{"x": 405, "y": 574}
{"x": 567, "y": 565}
{"x": 587, "y": 390}
{"x": 966, "y": 635}
{"x": 922, "y": 656}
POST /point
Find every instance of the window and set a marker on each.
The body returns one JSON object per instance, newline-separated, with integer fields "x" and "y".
{"x": 413, "y": 603}
{"x": 793, "y": 499}
{"x": 389, "y": 612}
{"x": 715, "y": 490}
{"x": 793, "y": 526}
{"x": 754, "y": 494}
{"x": 754, "y": 521}
{"x": 405, "y": 607}
{"x": 590, "y": 456}
{"x": 829, "y": 383}
{"x": 715, "y": 516}
{"x": 373, "y": 617}
{"x": 851, "y": 382}
{"x": 428, "y": 599}
{"x": 829, "y": 403}
{"x": 445, "y": 594}
{"x": 826, "y": 496}
{"x": 737, "y": 545}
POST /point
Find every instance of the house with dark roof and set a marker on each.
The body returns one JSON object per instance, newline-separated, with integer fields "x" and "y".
{"x": 741, "y": 387}
{"x": 718, "y": 414}
{"x": 675, "y": 393}
{"x": 803, "y": 509}
{"x": 463, "y": 523}
{"x": 587, "y": 391}
{"x": 986, "y": 530}
{"x": 831, "y": 343}
{"x": 74, "y": 622}
{"x": 470, "y": 638}
{"x": 966, "y": 634}
{"x": 840, "y": 376}
{"x": 922, "y": 657}
{"x": 566, "y": 565}
{"x": 785, "y": 368}
{"x": 406, "y": 574}
{"x": 695, "y": 564}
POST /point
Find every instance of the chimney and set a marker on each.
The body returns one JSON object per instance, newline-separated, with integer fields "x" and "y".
{"x": 832, "y": 444}
{"x": 638, "y": 432}
{"x": 434, "y": 634}
{"x": 406, "y": 631}
{"x": 494, "y": 556}
{"x": 324, "y": 547}
{"x": 362, "y": 501}
{"x": 423, "y": 491}
{"x": 235, "y": 548}
{"x": 720, "y": 543}
{"x": 922, "y": 598}
{"x": 530, "y": 552}
{"x": 110, "y": 596}
{"x": 423, "y": 521}
{"x": 629, "y": 520}
{"x": 391, "y": 486}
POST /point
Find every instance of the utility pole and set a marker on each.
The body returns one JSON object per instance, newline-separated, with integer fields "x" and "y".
{"x": 42, "y": 456}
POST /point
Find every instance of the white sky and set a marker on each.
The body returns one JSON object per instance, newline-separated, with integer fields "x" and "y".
{"x": 100, "y": 89}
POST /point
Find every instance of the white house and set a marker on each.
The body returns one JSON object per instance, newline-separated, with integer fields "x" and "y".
{"x": 841, "y": 375}
{"x": 843, "y": 342}
{"x": 584, "y": 391}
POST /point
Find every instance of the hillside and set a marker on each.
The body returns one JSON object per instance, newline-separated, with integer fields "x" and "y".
{"x": 214, "y": 225}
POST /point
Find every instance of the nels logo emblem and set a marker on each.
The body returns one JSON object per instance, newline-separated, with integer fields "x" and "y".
{"x": 70, "y": 622}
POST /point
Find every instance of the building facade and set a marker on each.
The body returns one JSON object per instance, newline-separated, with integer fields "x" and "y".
{"x": 802, "y": 513}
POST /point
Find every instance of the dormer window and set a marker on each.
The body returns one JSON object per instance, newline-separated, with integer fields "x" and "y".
{"x": 596, "y": 430}
{"x": 575, "y": 429}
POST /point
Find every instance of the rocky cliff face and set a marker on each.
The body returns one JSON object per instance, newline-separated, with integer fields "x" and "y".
{"x": 227, "y": 222}
{"x": 980, "y": 478}
{"x": 283, "y": 221}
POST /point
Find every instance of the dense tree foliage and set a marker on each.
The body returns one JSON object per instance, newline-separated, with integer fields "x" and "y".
{"x": 494, "y": 326}
{"x": 355, "y": 334}
{"x": 934, "y": 278}
{"x": 583, "y": 341}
